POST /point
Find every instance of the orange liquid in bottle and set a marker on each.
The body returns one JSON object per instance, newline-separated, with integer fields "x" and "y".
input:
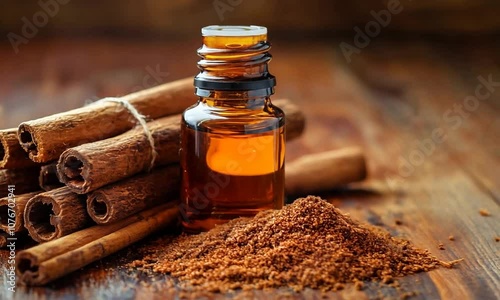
{"x": 233, "y": 142}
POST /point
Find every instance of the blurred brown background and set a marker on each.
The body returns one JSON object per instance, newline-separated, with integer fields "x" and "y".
{"x": 283, "y": 17}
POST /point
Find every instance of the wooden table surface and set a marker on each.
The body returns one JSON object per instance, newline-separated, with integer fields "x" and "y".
{"x": 433, "y": 150}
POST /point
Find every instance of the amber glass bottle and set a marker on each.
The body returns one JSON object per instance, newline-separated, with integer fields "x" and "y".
{"x": 233, "y": 138}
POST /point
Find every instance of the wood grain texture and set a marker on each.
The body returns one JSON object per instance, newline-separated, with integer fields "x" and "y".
{"x": 415, "y": 101}
{"x": 388, "y": 101}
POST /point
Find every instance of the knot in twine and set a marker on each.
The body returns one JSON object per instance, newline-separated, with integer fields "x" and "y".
{"x": 142, "y": 121}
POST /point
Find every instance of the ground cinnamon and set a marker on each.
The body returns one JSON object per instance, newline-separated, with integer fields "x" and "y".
{"x": 308, "y": 244}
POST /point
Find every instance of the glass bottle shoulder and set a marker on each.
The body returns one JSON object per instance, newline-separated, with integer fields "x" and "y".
{"x": 250, "y": 118}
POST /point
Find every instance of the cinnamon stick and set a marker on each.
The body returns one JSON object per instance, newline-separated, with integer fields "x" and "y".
{"x": 46, "y": 138}
{"x": 326, "y": 169}
{"x": 88, "y": 167}
{"x": 53, "y": 214}
{"x": 21, "y": 240}
{"x": 125, "y": 198}
{"x": 46, "y": 262}
{"x": 12, "y": 212}
{"x": 12, "y": 155}
{"x": 23, "y": 180}
{"x": 3, "y": 239}
{"x": 322, "y": 171}
{"x": 48, "y": 178}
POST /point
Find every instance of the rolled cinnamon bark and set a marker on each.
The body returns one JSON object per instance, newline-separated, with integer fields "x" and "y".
{"x": 12, "y": 155}
{"x": 3, "y": 239}
{"x": 53, "y": 214}
{"x": 326, "y": 169}
{"x": 90, "y": 166}
{"x": 48, "y": 178}
{"x": 125, "y": 198}
{"x": 46, "y": 262}
{"x": 46, "y": 138}
{"x": 295, "y": 120}
{"x": 21, "y": 239}
{"x": 23, "y": 180}
{"x": 322, "y": 171}
{"x": 12, "y": 212}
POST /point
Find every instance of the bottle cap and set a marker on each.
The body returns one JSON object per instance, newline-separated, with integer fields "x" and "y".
{"x": 233, "y": 30}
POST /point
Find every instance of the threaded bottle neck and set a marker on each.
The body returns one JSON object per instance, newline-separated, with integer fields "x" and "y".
{"x": 234, "y": 58}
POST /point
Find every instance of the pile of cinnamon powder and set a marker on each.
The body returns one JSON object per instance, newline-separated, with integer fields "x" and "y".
{"x": 309, "y": 243}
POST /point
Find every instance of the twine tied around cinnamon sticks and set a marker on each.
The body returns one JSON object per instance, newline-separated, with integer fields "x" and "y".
{"x": 142, "y": 121}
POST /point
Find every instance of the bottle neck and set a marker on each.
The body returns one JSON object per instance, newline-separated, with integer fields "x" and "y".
{"x": 235, "y": 99}
{"x": 230, "y": 64}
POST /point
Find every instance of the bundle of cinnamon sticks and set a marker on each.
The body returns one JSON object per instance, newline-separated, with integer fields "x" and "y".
{"x": 89, "y": 182}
